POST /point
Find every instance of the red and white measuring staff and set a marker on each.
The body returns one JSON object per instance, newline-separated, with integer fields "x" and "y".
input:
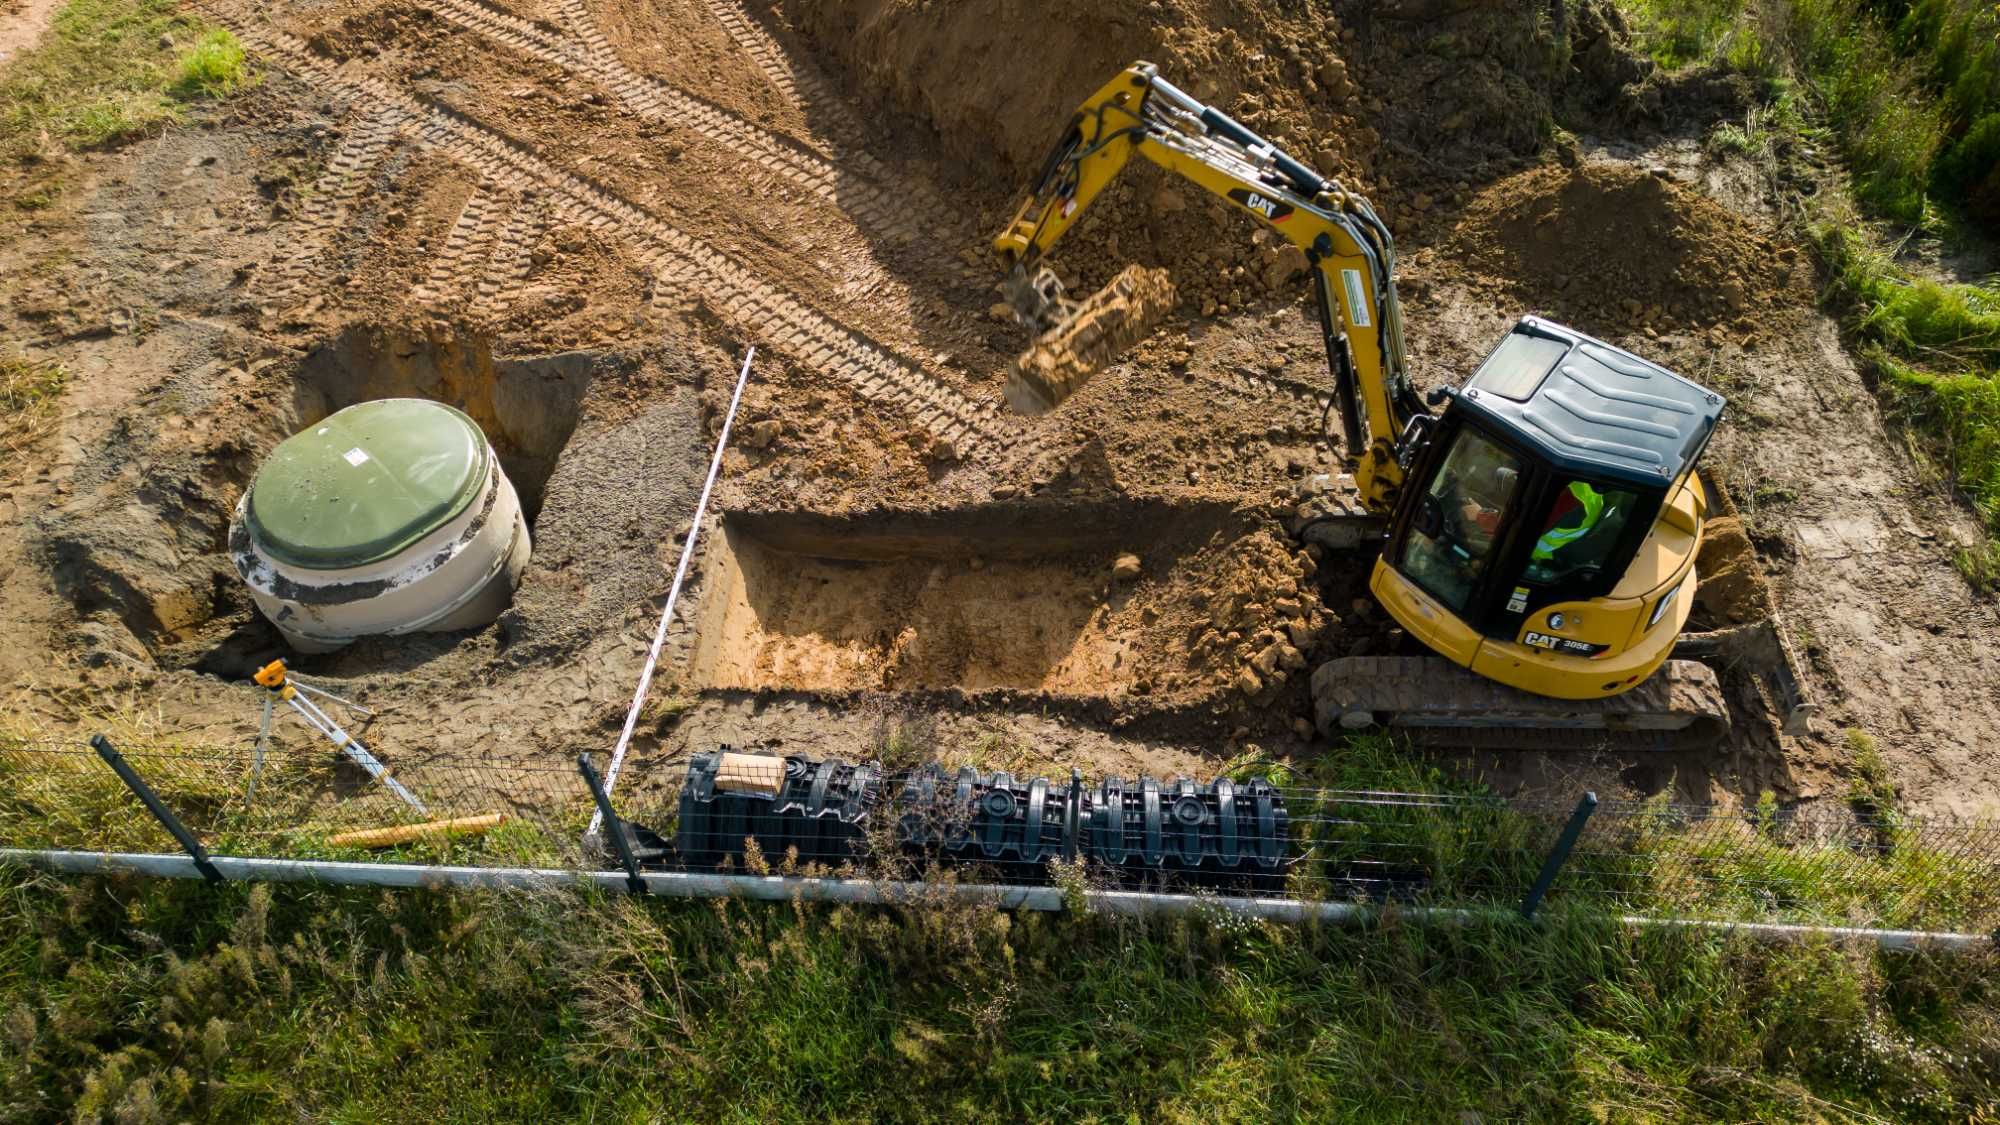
{"x": 673, "y": 595}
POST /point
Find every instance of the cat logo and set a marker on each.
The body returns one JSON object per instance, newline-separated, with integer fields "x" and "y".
{"x": 1270, "y": 209}
{"x": 1561, "y": 644}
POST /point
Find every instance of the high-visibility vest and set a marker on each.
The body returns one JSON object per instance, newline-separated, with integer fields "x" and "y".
{"x": 1555, "y": 539}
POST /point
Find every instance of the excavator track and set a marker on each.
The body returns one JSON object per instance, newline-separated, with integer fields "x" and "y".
{"x": 1437, "y": 703}
{"x": 1064, "y": 358}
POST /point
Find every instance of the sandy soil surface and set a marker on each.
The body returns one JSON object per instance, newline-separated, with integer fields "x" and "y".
{"x": 21, "y": 23}
{"x": 568, "y": 216}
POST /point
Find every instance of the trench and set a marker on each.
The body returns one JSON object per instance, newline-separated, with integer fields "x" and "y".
{"x": 984, "y": 599}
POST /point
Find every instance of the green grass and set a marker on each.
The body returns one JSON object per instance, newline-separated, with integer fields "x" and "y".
{"x": 1871, "y": 788}
{"x": 1952, "y": 325}
{"x": 1964, "y": 411}
{"x": 1980, "y": 564}
{"x": 1888, "y": 124}
{"x": 1679, "y": 32}
{"x": 139, "y": 1000}
{"x": 152, "y": 1001}
{"x": 29, "y": 389}
{"x": 29, "y": 384}
{"x": 1935, "y": 350}
{"x": 1909, "y": 88}
{"x": 108, "y": 71}
{"x": 214, "y": 67}
{"x": 1909, "y": 91}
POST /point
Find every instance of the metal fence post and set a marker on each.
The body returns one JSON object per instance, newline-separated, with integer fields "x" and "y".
{"x": 154, "y": 805}
{"x": 1074, "y": 817}
{"x": 1559, "y": 855}
{"x": 613, "y": 826}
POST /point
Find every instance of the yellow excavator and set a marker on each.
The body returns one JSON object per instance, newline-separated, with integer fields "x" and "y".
{"x": 1539, "y": 531}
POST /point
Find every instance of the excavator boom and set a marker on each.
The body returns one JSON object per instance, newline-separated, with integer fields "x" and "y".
{"x": 1346, "y": 246}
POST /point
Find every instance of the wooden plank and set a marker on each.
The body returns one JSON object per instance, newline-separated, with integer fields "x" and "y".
{"x": 750, "y": 773}
{"x": 405, "y": 833}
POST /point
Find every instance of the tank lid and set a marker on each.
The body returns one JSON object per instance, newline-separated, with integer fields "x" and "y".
{"x": 366, "y": 483}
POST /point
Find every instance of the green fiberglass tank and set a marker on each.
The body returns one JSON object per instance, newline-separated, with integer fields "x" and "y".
{"x": 391, "y": 516}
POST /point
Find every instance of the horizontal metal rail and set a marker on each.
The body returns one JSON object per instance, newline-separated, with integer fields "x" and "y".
{"x": 784, "y": 888}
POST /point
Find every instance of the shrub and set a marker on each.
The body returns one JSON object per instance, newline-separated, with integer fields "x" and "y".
{"x": 1964, "y": 410}
{"x": 213, "y": 67}
{"x": 1970, "y": 170}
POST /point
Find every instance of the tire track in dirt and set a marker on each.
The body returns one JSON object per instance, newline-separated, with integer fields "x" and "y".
{"x": 457, "y": 266}
{"x": 334, "y": 195}
{"x": 800, "y": 85}
{"x": 911, "y": 200}
{"x": 975, "y": 431}
{"x": 1305, "y": 408}
{"x": 873, "y": 207}
{"x": 507, "y": 262}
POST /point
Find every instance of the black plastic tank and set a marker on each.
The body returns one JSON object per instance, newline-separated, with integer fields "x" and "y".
{"x": 1220, "y": 833}
{"x": 988, "y": 818}
{"x": 819, "y": 810}
{"x": 1162, "y": 835}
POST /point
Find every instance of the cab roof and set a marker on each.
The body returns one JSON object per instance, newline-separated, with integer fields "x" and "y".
{"x": 1591, "y": 409}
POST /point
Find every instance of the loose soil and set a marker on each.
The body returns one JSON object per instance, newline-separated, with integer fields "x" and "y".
{"x": 568, "y": 217}
{"x": 21, "y": 23}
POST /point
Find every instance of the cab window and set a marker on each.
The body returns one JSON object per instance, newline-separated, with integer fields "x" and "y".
{"x": 1518, "y": 366}
{"x": 1577, "y": 533}
{"x": 1459, "y": 518}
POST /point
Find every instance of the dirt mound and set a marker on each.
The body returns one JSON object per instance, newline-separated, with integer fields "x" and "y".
{"x": 1262, "y": 617}
{"x": 1409, "y": 105}
{"x": 966, "y": 68}
{"x": 1280, "y": 72}
{"x": 1462, "y": 81}
{"x": 136, "y": 549}
{"x": 1610, "y": 247}
{"x": 1733, "y": 588}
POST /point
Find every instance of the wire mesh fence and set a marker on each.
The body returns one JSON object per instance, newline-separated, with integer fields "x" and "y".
{"x": 730, "y": 813}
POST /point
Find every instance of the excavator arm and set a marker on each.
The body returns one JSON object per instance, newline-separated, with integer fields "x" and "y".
{"x": 1349, "y": 250}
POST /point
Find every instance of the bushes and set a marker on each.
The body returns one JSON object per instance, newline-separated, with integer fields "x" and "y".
{"x": 1970, "y": 171}
{"x": 1678, "y": 32}
{"x": 1911, "y": 88}
{"x": 1888, "y": 124}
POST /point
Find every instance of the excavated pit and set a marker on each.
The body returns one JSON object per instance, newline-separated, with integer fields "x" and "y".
{"x": 1005, "y": 600}
{"x": 527, "y": 407}
{"x": 187, "y": 608}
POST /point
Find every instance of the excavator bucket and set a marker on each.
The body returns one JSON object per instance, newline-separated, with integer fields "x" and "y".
{"x": 1087, "y": 336}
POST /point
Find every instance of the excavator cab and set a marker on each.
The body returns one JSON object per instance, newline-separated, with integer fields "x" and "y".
{"x": 1549, "y": 520}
